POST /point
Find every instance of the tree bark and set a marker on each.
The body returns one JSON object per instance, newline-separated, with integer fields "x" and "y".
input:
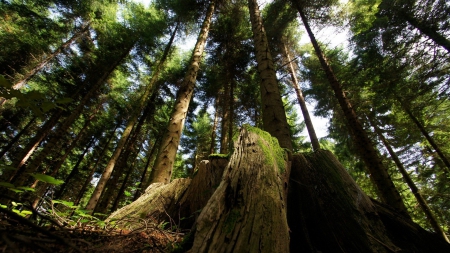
{"x": 274, "y": 115}
{"x": 162, "y": 171}
{"x": 301, "y": 100}
{"x": 379, "y": 174}
{"x": 247, "y": 211}
{"x": 328, "y": 212}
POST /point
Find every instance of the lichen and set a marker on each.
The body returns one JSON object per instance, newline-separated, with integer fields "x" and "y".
{"x": 272, "y": 152}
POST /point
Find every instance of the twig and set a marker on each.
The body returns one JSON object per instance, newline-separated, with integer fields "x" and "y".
{"x": 9, "y": 243}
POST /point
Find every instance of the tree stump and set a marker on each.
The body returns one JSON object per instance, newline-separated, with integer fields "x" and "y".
{"x": 247, "y": 213}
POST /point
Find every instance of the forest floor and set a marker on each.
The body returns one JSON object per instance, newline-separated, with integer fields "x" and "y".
{"x": 19, "y": 234}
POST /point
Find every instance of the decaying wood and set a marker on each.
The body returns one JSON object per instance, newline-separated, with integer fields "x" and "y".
{"x": 246, "y": 213}
{"x": 157, "y": 203}
{"x": 179, "y": 202}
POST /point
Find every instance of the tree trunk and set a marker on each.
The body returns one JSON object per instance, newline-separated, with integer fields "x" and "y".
{"x": 17, "y": 137}
{"x": 422, "y": 202}
{"x": 30, "y": 74}
{"x": 144, "y": 178}
{"x": 425, "y": 29}
{"x": 162, "y": 171}
{"x": 212, "y": 147}
{"x": 131, "y": 122}
{"x": 23, "y": 156}
{"x": 427, "y": 136}
{"x": 55, "y": 142}
{"x": 326, "y": 211}
{"x": 43, "y": 63}
{"x": 178, "y": 202}
{"x": 274, "y": 115}
{"x": 118, "y": 170}
{"x": 226, "y": 117}
{"x": 379, "y": 174}
{"x": 122, "y": 188}
{"x": 301, "y": 100}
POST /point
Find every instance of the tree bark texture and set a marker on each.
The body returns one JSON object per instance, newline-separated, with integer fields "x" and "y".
{"x": 379, "y": 174}
{"x": 274, "y": 115}
{"x": 247, "y": 212}
{"x": 162, "y": 171}
{"x": 326, "y": 205}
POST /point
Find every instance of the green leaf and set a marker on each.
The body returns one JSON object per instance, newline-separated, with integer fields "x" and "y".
{"x": 25, "y": 188}
{"x": 65, "y": 203}
{"x": 5, "y": 83}
{"x": 7, "y": 167}
{"x": 7, "y": 185}
{"x": 47, "y": 106}
{"x": 47, "y": 179}
{"x": 64, "y": 101}
{"x": 127, "y": 193}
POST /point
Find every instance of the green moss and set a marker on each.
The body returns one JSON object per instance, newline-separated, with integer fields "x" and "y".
{"x": 218, "y": 156}
{"x": 273, "y": 153}
{"x": 230, "y": 221}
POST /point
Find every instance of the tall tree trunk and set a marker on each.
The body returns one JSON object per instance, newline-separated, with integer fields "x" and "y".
{"x": 427, "y": 30}
{"x": 150, "y": 158}
{"x": 301, "y": 100}
{"x": 131, "y": 122}
{"x": 212, "y": 147}
{"x": 102, "y": 206}
{"x": 427, "y": 136}
{"x": 23, "y": 156}
{"x": 162, "y": 171}
{"x": 122, "y": 188}
{"x": 379, "y": 174}
{"x": 224, "y": 128}
{"x": 17, "y": 137}
{"x": 274, "y": 115}
{"x": 75, "y": 170}
{"x": 31, "y": 73}
{"x": 55, "y": 142}
{"x": 43, "y": 63}
{"x": 422, "y": 202}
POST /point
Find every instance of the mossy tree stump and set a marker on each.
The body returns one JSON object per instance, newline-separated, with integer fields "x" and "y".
{"x": 247, "y": 212}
